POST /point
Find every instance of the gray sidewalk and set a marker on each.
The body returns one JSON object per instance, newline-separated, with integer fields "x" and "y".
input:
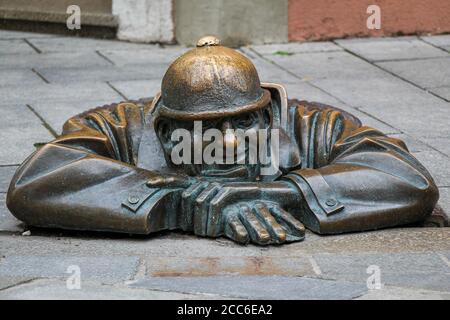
{"x": 398, "y": 85}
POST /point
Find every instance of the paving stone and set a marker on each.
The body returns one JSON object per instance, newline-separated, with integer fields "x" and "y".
{"x": 73, "y": 44}
{"x": 442, "y": 40}
{"x": 444, "y": 200}
{"x": 376, "y": 49}
{"x": 15, "y": 47}
{"x": 60, "y": 59}
{"x": 441, "y": 144}
{"x": 427, "y": 73}
{"x": 395, "y": 293}
{"x": 8, "y": 222}
{"x": 57, "y": 290}
{"x": 218, "y": 265}
{"x": 144, "y": 56}
{"x": 6, "y": 174}
{"x": 6, "y": 34}
{"x": 103, "y": 73}
{"x": 77, "y": 91}
{"x": 107, "y": 269}
{"x": 257, "y": 287}
{"x": 137, "y": 89}
{"x": 57, "y": 113}
{"x": 421, "y": 270}
{"x": 7, "y": 282}
{"x": 381, "y": 95}
{"x": 413, "y": 144}
{"x": 435, "y": 163}
{"x": 20, "y": 130}
{"x": 17, "y": 78}
{"x": 443, "y": 92}
{"x": 293, "y": 47}
{"x": 269, "y": 72}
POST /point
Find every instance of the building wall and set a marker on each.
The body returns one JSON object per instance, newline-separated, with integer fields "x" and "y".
{"x": 328, "y": 19}
{"x": 235, "y": 22}
{"x": 144, "y": 20}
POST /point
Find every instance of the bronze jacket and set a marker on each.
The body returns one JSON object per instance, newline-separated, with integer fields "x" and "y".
{"x": 93, "y": 177}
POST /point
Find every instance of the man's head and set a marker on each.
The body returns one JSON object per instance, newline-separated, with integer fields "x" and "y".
{"x": 212, "y": 87}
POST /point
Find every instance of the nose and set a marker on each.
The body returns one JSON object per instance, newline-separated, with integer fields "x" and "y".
{"x": 229, "y": 138}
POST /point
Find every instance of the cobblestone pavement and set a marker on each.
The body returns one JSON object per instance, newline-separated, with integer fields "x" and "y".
{"x": 398, "y": 85}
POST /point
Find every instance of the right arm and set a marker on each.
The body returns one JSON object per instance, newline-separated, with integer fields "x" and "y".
{"x": 86, "y": 179}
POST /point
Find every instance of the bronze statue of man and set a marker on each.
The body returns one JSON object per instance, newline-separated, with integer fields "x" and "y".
{"x": 112, "y": 167}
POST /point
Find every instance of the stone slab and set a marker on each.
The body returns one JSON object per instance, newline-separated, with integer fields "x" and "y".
{"x": 21, "y": 129}
{"x": 7, "y": 282}
{"x": 6, "y": 34}
{"x": 137, "y": 89}
{"x": 74, "y": 44}
{"x": 8, "y": 223}
{"x": 77, "y": 91}
{"x": 442, "y": 40}
{"x": 218, "y": 265}
{"x": 257, "y": 287}
{"x": 57, "y": 113}
{"x": 62, "y": 75}
{"x": 414, "y": 270}
{"x": 395, "y": 293}
{"x": 436, "y": 163}
{"x": 59, "y": 59}
{"x": 383, "y": 96}
{"x": 295, "y": 47}
{"x": 15, "y": 47}
{"x": 426, "y": 73}
{"x": 6, "y": 174}
{"x": 19, "y": 78}
{"x": 376, "y": 49}
{"x": 443, "y": 92}
{"x": 107, "y": 269}
{"x": 439, "y": 143}
{"x": 414, "y": 145}
{"x": 444, "y": 200}
{"x": 144, "y": 56}
{"x": 57, "y": 290}
{"x": 175, "y": 244}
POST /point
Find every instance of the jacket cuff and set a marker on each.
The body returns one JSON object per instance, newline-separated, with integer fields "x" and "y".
{"x": 320, "y": 199}
{"x": 155, "y": 207}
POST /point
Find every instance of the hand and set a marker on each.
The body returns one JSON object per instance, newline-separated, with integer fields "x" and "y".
{"x": 169, "y": 181}
{"x": 204, "y": 204}
{"x": 262, "y": 223}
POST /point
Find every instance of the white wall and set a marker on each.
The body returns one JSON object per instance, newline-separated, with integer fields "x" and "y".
{"x": 144, "y": 20}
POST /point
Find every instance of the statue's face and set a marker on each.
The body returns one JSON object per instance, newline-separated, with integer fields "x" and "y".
{"x": 218, "y": 148}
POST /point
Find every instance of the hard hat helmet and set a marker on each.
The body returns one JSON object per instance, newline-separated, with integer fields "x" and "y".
{"x": 210, "y": 81}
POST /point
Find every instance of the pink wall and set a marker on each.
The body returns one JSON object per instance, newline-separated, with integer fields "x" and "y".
{"x": 327, "y": 19}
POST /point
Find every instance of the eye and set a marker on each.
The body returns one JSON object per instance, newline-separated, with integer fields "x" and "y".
{"x": 246, "y": 120}
{"x": 164, "y": 130}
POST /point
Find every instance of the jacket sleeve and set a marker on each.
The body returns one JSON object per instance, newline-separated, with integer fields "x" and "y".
{"x": 86, "y": 179}
{"x": 354, "y": 177}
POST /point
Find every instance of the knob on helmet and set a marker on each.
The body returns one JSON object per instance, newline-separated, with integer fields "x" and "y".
{"x": 210, "y": 81}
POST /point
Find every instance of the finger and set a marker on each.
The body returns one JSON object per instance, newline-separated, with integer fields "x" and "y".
{"x": 187, "y": 204}
{"x": 235, "y": 230}
{"x": 224, "y": 197}
{"x": 294, "y": 228}
{"x": 201, "y": 208}
{"x": 275, "y": 229}
{"x": 256, "y": 230}
{"x": 169, "y": 182}
{"x": 216, "y": 206}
